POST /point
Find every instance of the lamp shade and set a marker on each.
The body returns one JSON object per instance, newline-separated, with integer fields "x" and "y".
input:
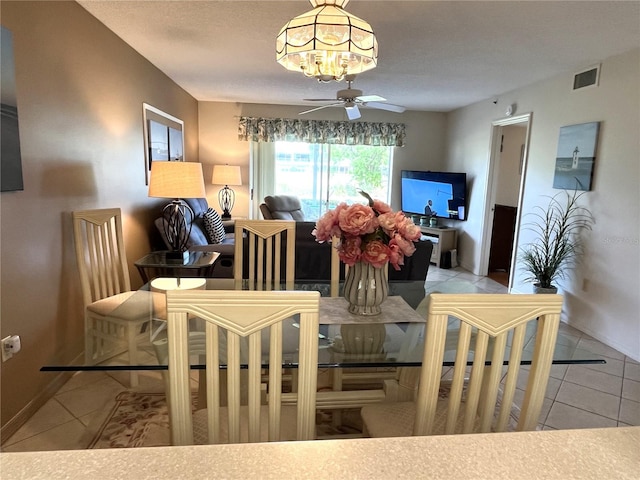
{"x": 327, "y": 43}
{"x": 226, "y": 175}
{"x": 176, "y": 180}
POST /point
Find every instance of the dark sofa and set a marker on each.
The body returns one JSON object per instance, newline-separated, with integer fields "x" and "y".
{"x": 313, "y": 259}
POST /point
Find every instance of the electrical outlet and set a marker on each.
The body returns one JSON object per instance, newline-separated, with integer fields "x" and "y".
{"x": 10, "y": 345}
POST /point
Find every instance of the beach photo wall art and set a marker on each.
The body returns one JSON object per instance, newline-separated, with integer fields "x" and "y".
{"x": 576, "y": 156}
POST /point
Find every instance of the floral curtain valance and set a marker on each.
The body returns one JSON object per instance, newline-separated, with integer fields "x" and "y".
{"x": 321, "y": 131}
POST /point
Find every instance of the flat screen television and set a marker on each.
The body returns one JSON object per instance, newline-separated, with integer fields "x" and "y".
{"x": 441, "y": 193}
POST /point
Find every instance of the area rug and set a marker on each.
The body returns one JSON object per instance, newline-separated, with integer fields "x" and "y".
{"x": 136, "y": 420}
{"x": 142, "y": 420}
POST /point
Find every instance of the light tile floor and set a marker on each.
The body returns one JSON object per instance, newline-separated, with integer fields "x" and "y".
{"x": 578, "y": 396}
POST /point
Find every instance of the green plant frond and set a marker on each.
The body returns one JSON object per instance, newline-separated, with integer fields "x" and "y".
{"x": 558, "y": 245}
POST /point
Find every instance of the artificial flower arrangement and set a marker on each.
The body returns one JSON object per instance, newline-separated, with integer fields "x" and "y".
{"x": 370, "y": 233}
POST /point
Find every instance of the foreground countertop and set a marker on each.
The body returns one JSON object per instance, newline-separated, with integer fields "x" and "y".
{"x": 562, "y": 454}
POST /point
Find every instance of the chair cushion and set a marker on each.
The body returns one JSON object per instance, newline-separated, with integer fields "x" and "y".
{"x": 135, "y": 309}
{"x": 288, "y": 416}
{"x": 213, "y": 226}
{"x": 393, "y": 419}
{"x": 396, "y": 419}
{"x": 284, "y": 207}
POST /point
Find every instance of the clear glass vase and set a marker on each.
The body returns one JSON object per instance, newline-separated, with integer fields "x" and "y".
{"x": 365, "y": 288}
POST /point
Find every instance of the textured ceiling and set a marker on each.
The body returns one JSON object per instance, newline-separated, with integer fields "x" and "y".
{"x": 434, "y": 56}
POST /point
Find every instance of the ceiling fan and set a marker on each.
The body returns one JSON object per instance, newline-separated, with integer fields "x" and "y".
{"x": 351, "y": 99}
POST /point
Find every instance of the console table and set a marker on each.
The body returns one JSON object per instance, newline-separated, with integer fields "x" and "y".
{"x": 443, "y": 239}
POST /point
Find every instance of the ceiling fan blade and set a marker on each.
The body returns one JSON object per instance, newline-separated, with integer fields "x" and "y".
{"x": 371, "y": 98}
{"x": 320, "y": 108}
{"x": 386, "y": 106}
{"x": 319, "y": 99}
{"x": 353, "y": 112}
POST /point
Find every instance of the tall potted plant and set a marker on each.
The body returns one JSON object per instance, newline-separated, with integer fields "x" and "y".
{"x": 558, "y": 244}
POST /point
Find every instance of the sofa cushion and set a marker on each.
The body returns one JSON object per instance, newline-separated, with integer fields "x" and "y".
{"x": 213, "y": 227}
{"x": 284, "y": 207}
{"x": 196, "y": 237}
{"x": 198, "y": 205}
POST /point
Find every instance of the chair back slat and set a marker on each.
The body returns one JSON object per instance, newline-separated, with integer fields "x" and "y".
{"x": 546, "y": 336}
{"x": 500, "y": 324}
{"x": 262, "y": 257}
{"x": 475, "y": 382}
{"x": 233, "y": 387}
{"x": 335, "y": 268}
{"x": 212, "y": 376}
{"x": 307, "y": 369}
{"x": 517, "y": 345}
{"x": 254, "y": 385}
{"x": 457, "y": 385}
{"x": 275, "y": 378}
{"x": 100, "y": 253}
{"x": 243, "y": 317}
{"x": 491, "y": 384}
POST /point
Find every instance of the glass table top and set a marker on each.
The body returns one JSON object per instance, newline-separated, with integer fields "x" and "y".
{"x": 393, "y": 339}
{"x": 159, "y": 259}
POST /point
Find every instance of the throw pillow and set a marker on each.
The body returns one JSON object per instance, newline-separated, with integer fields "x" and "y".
{"x": 213, "y": 226}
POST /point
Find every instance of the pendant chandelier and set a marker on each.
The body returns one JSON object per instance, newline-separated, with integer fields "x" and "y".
{"x": 327, "y": 43}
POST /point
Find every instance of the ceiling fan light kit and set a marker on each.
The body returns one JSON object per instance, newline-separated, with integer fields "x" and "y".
{"x": 351, "y": 99}
{"x": 327, "y": 43}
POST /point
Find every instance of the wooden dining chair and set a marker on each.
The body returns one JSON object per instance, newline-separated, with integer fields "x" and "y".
{"x": 234, "y": 318}
{"x": 115, "y": 316}
{"x": 260, "y": 257}
{"x": 486, "y": 402}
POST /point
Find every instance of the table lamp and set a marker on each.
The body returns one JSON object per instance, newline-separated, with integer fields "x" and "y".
{"x": 177, "y": 180}
{"x": 226, "y": 175}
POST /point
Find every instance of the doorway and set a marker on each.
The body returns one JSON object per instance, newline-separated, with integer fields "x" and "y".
{"x": 506, "y": 177}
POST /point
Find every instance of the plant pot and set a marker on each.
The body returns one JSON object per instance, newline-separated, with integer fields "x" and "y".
{"x": 538, "y": 289}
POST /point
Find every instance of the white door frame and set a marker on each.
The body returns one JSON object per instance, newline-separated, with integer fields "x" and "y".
{"x": 492, "y": 178}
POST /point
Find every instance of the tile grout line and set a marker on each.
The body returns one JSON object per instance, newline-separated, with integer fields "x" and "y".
{"x": 587, "y": 411}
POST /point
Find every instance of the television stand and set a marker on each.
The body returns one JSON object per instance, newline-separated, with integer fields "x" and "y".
{"x": 443, "y": 239}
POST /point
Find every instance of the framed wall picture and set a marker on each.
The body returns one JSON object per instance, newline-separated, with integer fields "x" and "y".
{"x": 10, "y": 157}
{"x": 163, "y": 138}
{"x": 576, "y": 156}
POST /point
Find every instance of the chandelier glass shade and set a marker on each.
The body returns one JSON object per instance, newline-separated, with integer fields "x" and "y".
{"x": 327, "y": 43}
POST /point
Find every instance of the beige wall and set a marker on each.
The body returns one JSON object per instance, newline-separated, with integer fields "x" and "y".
{"x": 601, "y": 296}
{"x": 80, "y": 91}
{"x": 424, "y": 150}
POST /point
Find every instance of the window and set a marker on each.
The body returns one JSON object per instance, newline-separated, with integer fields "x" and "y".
{"x": 323, "y": 175}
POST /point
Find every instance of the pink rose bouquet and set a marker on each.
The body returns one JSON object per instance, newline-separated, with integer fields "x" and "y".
{"x": 370, "y": 233}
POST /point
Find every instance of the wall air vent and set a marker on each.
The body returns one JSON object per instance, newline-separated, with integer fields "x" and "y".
{"x": 587, "y": 78}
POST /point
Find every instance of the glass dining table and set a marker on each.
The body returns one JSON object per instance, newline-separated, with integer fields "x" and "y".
{"x": 394, "y": 338}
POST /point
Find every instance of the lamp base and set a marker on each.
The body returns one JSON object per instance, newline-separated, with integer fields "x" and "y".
{"x": 227, "y": 198}
{"x": 177, "y": 257}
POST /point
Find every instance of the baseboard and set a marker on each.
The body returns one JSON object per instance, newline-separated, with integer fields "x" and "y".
{"x": 468, "y": 267}
{"x": 601, "y": 338}
{"x": 14, "y": 424}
